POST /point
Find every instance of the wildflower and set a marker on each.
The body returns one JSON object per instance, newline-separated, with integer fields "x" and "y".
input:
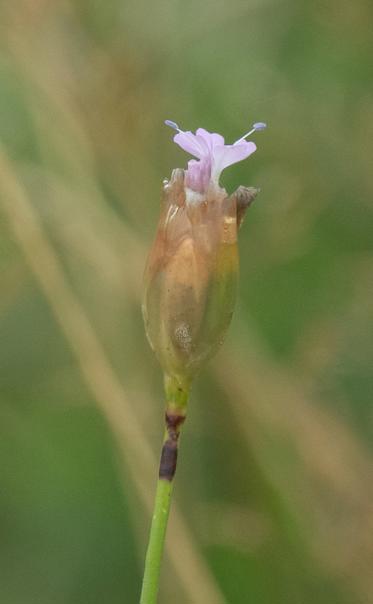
{"x": 213, "y": 154}
{"x": 191, "y": 274}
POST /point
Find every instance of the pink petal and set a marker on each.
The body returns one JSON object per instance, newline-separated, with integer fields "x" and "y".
{"x": 198, "y": 174}
{"x": 211, "y": 138}
{"x": 204, "y": 144}
{"x": 227, "y": 155}
{"x": 217, "y": 139}
{"x": 195, "y": 145}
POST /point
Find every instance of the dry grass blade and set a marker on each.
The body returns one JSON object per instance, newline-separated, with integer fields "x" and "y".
{"x": 334, "y": 494}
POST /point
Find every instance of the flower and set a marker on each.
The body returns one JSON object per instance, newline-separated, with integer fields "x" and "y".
{"x": 191, "y": 274}
{"x": 212, "y": 153}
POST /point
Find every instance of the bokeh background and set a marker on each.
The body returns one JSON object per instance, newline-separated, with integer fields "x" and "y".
{"x": 273, "y": 501}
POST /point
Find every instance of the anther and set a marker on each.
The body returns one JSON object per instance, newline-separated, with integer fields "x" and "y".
{"x": 259, "y": 126}
{"x": 172, "y": 125}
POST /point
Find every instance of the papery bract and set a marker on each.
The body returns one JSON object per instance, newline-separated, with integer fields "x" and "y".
{"x": 191, "y": 277}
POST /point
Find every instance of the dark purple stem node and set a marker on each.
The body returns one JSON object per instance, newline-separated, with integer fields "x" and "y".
{"x": 167, "y": 466}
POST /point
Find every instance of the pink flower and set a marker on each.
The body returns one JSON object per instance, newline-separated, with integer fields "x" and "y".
{"x": 212, "y": 154}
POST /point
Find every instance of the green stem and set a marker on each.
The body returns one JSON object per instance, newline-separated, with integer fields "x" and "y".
{"x": 156, "y": 542}
{"x": 177, "y": 397}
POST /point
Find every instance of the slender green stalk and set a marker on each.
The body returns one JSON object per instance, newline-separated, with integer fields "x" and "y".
{"x": 177, "y": 397}
{"x": 156, "y": 542}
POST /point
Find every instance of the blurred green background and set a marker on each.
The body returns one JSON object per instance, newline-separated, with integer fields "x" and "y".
{"x": 273, "y": 501}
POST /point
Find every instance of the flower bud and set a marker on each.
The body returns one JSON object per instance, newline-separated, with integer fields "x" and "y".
{"x": 191, "y": 274}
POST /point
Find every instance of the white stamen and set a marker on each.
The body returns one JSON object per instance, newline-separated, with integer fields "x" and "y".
{"x": 255, "y": 127}
{"x": 172, "y": 125}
